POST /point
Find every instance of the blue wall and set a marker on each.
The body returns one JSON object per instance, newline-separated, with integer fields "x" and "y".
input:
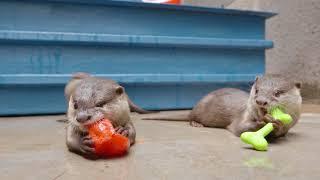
{"x": 167, "y": 57}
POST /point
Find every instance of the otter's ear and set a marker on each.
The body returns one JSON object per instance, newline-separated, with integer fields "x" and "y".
{"x": 80, "y": 75}
{"x": 119, "y": 90}
{"x": 298, "y": 85}
{"x": 257, "y": 78}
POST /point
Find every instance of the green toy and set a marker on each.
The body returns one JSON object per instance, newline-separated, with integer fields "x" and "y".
{"x": 256, "y": 139}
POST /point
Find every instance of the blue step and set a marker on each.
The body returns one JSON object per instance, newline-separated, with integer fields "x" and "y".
{"x": 166, "y": 56}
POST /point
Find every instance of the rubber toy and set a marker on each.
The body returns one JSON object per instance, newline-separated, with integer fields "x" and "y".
{"x": 107, "y": 142}
{"x": 257, "y": 139}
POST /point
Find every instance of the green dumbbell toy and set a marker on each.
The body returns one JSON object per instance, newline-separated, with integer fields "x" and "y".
{"x": 256, "y": 139}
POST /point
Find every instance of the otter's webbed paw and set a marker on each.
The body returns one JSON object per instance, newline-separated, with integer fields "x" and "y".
{"x": 87, "y": 146}
{"x": 279, "y": 129}
{"x": 124, "y": 131}
{"x": 127, "y": 131}
{"x": 259, "y": 123}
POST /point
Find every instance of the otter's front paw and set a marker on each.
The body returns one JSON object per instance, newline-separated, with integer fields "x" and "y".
{"x": 279, "y": 128}
{"x": 260, "y": 123}
{"x": 87, "y": 146}
{"x": 123, "y": 131}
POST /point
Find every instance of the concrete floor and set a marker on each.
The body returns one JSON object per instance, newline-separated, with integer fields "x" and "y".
{"x": 34, "y": 148}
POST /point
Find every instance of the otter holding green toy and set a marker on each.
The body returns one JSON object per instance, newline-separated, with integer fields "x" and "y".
{"x": 239, "y": 111}
{"x": 257, "y": 139}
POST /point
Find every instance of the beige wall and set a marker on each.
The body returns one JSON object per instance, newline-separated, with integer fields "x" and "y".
{"x": 208, "y": 3}
{"x": 296, "y": 35}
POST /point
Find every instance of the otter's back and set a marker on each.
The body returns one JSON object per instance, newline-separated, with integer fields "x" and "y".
{"x": 220, "y": 107}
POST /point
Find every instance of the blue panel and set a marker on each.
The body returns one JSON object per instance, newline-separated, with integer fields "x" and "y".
{"x": 126, "y": 20}
{"x": 54, "y": 38}
{"x": 130, "y": 3}
{"x": 46, "y": 99}
{"x": 25, "y": 100}
{"x": 166, "y": 56}
{"x": 8, "y": 80}
{"x": 128, "y": 60}
{"x": 176, "y": 96}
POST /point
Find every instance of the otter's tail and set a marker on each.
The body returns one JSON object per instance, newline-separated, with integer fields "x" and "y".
{"x": 168, "y": 116}
{"x": 136, "y": 108}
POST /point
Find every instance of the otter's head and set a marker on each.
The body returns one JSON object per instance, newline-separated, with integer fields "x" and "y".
{"x": 273, "y": 90}
{"x": 92, "y": 100}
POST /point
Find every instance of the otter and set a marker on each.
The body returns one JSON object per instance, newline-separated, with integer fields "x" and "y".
{"x": 239, "y": 111}
{"x": 91, "y": 99}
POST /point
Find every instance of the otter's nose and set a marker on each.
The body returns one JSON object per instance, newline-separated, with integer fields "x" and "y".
{"x": 261, "y": 102}
{"x": 83, "y": 117}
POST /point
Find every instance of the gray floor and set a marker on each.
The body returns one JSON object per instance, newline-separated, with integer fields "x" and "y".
{"x": 34, "y": 148}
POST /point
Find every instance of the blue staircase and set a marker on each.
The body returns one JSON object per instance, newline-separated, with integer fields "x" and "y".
{"x": 167, "y": 57}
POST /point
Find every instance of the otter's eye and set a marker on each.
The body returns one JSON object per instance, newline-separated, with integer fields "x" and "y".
{"x": 101, "y": 104}
{"x": 257, "y": 91}
{"x": 75, "y": 105}
{"x": 278, "y": 93}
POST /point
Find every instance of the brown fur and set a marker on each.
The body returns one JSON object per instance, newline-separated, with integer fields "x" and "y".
{"x": 90, "y": 99}
{"x": 238, "y": 111}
